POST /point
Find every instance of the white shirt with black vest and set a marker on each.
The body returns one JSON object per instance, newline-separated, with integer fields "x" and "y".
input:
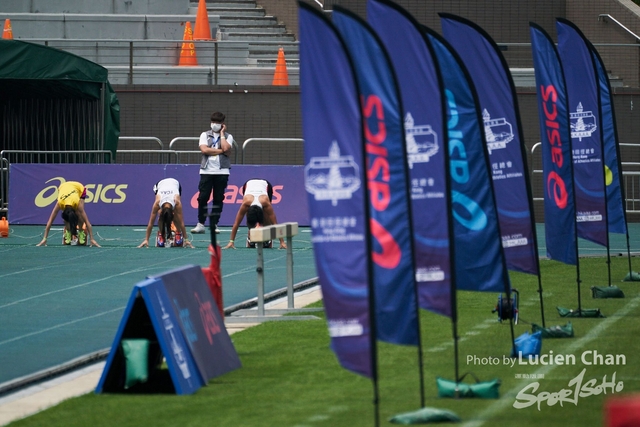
{"x": 219, "y": 164}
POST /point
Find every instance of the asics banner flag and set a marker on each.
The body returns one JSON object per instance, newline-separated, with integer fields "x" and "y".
{"x": 336, "y": 185}
{"x": 503, "y": 132}
{"x": 586, "y": 132}
{"x": 424, "y": 126}
{"x": 480, "y": 264}
{"x": 610, "y": 145}
{"x": 557, "y": 170}
{"x": 396, "y": 309}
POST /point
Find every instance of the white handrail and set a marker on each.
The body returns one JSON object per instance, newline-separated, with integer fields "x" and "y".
{"x": 604, "y": 16}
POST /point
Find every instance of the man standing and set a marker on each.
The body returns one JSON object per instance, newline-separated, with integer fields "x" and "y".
{"x": 215, "y": 145}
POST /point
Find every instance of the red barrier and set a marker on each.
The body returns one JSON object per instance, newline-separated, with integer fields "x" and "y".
{"x": 622, "y": 411}
{"x": 213, "y": 276}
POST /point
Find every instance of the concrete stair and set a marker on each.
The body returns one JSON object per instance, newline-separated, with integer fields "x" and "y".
{"x": 104, "y": 32}
{"x": 145, "y": 49}
{"x": 244, "y": 20}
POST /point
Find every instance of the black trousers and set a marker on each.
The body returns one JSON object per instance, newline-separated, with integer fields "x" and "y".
{"x": 209, "y": 183}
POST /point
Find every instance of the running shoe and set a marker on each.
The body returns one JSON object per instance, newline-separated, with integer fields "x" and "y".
{"x": 67, "y": 237}
{"x": 160, "y": 240}
{"x": 82, "y": 237}
{"x": 178, "y": 240}
{"x": 198, "y": 229}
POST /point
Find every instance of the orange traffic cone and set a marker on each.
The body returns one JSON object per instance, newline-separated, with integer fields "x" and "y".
{"x": 7, "y": 33}
{"x": 202, "y": 30}
{"x": 188, "y": 51}
{"x": 4, "y": 227}
{"x": 281, "y": 77}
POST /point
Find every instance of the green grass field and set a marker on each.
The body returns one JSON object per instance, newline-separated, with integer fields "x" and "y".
{"x": 290, "y": 377}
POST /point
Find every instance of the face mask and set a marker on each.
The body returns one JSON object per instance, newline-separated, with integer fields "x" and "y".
{"x": 216, "y": 127}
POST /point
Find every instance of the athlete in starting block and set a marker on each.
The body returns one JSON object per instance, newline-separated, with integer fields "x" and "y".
{"x": 71, "y": 197}
{"x": 167, "y": 202}
{"x": 256, "y": 205}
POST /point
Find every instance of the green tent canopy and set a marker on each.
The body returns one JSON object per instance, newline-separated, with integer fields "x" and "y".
{"x": 51, "y": 100}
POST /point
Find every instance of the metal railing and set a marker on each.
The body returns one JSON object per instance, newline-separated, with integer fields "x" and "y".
{"x": 57, "y": 156}
{"x": 188, "y": 157}
{"x": 605, "y": 16}
{"x": 141, "y": 149}
{"x": 198, "y": 153}
{"x": 254, "y": 140}
{"x": 148, "y": 139}
{"x": 4, "y": 185}
{"x": 630, "y": 179}
{"x": 128, "y": 58}
{"x": 192, "y": 155}
{"x": 180, "y": 139}
{"x": 148, "y": 157}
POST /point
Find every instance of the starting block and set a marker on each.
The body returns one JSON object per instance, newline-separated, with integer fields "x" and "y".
{"x": 84, "y": 229}
{"x": 271, "y": 233}
{"x": 175, "y": 241}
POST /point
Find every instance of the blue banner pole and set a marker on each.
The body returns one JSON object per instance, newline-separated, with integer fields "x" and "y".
{"x": 423, "y": 107}
{"x": 616, "y": 212}
{"x": 553, "y": 107}
{"x": 505, "y": 142}
{"x": 471, "y": 183}
{"x": 395, "y": 287}
{"x": 336, "y": 187}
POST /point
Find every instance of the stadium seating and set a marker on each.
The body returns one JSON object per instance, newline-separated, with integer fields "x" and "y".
{"x": 141, "y": 44}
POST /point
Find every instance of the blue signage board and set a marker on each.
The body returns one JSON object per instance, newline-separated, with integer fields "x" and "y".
{"x": 201, "y": 324}
{"x": 177, "y": 311}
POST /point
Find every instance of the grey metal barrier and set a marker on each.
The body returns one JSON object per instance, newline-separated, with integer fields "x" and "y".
{"x": 188, "y": 157}
{"x": 631, "y": 179}
{"x": 4, "y": 185}
{"x": 269, "y": 140}
{"x": 632, "y": 190}
{"x": 57, "y": 156}
{"x": 146, "y": 157}
{"x": 535, "y": 171}
{"x": 193, "y": 156}
{"x": 150, "y": 142}
{"x": 156, "y": 61}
